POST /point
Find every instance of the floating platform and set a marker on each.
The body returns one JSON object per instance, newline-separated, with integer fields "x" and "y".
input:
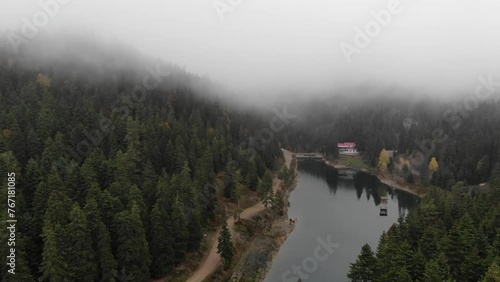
{"x": 383, "y": 212}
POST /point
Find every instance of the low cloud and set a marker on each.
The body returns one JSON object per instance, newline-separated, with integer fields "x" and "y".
{"x": 263, "y": 48}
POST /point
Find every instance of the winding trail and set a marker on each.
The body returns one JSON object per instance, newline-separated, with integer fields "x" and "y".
{"x": 212, "y": 260}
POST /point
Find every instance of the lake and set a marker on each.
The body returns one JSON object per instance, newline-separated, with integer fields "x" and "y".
{"x": 337, "y": 212}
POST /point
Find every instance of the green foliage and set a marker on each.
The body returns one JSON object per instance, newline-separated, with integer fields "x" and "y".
{"x": 278, "y": 202}
{"x": 225, "y": 246}
{"x": 493, "y": 274}
{"x": 132, "y": 253}
{"x": 265, "y": 189}
{"x": 364, "y": 269}
{"x": 80, "y": 255}
{"x": 448, "y": 237}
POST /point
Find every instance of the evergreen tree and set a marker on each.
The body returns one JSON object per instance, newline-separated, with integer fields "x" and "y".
{"x": 161, "y": 241}
{"x": 79, "y": 255}
{"x": 102, "y": 241}
{"x": 132, "y": 253}
{"x": 252, "y": 178}
{"x": 54, "y": 267}
{"x": 238, "y": 187}
{"x": 493, "y": 274}
{"x": 364, "y": 268}
{"x": 432, "y": 272}
{"x": 266, "y": 188}
{"x": 225, "y": 246}
{"x": 30, "y": 181}
{"x": 181, "y": 234}
{"x": 278, "y": 202}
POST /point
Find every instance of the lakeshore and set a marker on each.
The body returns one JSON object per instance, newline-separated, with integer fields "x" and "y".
{"x": 388, "y": 180}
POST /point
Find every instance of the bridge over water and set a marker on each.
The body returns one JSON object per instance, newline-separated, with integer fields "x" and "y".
{"x": 316, "y": 156}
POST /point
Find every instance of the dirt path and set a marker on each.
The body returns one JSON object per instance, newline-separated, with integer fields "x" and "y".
{"x": 213, "y": 259}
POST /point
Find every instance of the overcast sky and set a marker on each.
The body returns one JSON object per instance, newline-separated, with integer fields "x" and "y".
{"x": 271, "y": 46}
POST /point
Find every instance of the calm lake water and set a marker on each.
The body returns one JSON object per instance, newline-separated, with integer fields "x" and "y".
{"x": 338, "y": 212}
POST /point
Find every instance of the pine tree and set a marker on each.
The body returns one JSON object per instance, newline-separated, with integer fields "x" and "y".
{"x": 364, "y": 268}
{"x": 134, "y": 196}
{"x": 238, "y": 187}
{"x": 170, "y": 156}
{"x": 432, "y": 272}
{"x": 34, "y": 146}
{"x": 132, "y": 254}
{"x": 266, "y": 188}
{"x": 102, "y": 241}
{"x": 79, "y": 253}
{"x": 493, "y": 274}
{"x": 418, "y": 263}
{"x": 278, "y": 202}
{"x": 161, "y": 241}
{"x": 180, "y": 227}
{"x": 77, "y": 186}
{"x": 230, "y": 172}
{"x": 30, "y": 181}
{"x": 225, "y": 246}
{"x": 252, "y": 178}
{"x": 148, "y": 186}
{"x": 54, "y": 267}
{"x": 179, "y": 155}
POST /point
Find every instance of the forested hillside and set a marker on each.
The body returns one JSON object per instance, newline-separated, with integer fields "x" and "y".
{"x": 450, "y": 236}
{"x": 466, "y": 143}
{"x": 115, "y": 183}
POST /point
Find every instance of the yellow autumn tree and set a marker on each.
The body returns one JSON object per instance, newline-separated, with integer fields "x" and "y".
{"x": 433, "y": 165}
{"x": 383, "y": 160}
{"x": 43, "y": 80}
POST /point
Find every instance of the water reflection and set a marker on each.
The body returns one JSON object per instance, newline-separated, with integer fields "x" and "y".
{"x": 360, "y": 181}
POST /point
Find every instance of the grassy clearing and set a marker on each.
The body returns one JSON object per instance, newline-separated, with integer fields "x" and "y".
{"x": 355, "y": 162}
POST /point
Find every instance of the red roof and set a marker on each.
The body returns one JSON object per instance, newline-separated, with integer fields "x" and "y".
{"x": 347, "y": 144}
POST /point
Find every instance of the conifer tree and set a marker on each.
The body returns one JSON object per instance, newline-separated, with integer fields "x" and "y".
{"x": 238, "y": 187}
{"x": 132, "y": 254}
{"x": 252, "y": 178}
{"x": 180, "y": 227}
{"x": 365, "y": 266}
{"x": 266, "y": 189}
{"x": 225, "y": 246}
{"x": 101, "y": 242}
{"x": 79, "y": 253}
{"x": 161, "y": 241}
{"x": 493, "y": 274}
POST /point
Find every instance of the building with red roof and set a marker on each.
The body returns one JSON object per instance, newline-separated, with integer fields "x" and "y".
{"x": 347, "y": 148}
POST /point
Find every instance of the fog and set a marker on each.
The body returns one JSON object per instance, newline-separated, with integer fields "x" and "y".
{"x": 260, "y": 48}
